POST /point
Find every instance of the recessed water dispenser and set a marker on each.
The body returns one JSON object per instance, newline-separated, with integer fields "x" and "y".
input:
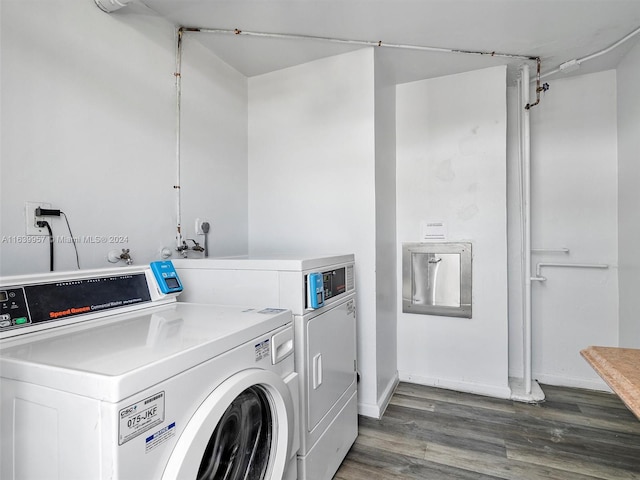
{"x": 436, "y": 279}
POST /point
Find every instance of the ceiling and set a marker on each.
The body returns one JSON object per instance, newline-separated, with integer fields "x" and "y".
{"x": 557, "y": 31}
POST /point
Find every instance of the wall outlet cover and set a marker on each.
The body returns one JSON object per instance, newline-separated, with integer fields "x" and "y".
{"x": 30, "y": 218}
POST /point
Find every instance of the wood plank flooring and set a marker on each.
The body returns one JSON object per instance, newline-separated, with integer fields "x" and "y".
{"x": 432, "y": 433}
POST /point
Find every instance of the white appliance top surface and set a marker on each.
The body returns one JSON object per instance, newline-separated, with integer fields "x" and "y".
{"x": 117, "y": 356}
{"x": 296, "y": 263}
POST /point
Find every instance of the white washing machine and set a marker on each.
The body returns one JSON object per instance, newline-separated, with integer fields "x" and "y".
{"x": 105, "y": 376}
{"x": 321, "y": 293}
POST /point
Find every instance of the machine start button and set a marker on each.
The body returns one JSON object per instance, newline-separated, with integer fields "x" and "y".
{"x": 20, "y": 320}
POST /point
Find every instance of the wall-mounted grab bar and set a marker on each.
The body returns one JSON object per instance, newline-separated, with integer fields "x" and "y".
{"x": 540, "y": 278}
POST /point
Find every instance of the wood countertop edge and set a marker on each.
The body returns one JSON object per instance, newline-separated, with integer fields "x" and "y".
{"x": 614, "y": 377}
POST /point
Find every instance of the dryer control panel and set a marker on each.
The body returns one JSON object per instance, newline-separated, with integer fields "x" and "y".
{"x": 323, "y": 286}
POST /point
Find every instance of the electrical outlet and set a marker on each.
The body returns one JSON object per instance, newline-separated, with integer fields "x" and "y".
{"x": 199, "y": 223}
{"x": 30, "y": 218}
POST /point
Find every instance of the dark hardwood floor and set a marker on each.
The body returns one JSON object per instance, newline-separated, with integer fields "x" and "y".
{"x": 431, "y": 433}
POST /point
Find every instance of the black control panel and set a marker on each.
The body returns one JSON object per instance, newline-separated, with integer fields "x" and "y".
{"x": 21, "y": 306}
{"x": 334, "y": 282}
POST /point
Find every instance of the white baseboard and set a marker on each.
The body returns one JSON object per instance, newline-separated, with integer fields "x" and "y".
{"x": 385, "y": 398}
{"x": 497, "y": 391}
{"x": 377, "y": 410}
{"x": 574, "y": 382}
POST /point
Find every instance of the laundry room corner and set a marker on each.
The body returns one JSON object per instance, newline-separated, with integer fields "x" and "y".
{"x": 89, "y": 128}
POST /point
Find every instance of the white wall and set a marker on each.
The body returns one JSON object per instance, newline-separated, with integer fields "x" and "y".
{"x": 88, "y": 124}
{"x": 451, "y": 158}
{"x": 312, "y": 176}
{"x": 574, "y": 205}
{"x": 214, "y": 150}
{"x": 385, "y": 185}
{"x": 514, "y": 239}
{"x": 628, "y": 76}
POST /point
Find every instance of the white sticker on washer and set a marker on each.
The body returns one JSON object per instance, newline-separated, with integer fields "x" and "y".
{"x": 263, "y": 349}
{"x": 140, "y": 417}
{"x": 159, "y": 437}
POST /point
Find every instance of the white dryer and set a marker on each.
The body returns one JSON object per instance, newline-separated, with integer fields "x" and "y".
{"x": 105, "y": 376}
{"x": 321, "y": 293}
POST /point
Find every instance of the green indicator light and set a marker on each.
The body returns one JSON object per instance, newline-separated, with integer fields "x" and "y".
{"x": 20, "y": 321}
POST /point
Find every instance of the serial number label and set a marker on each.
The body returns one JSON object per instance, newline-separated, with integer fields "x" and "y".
{"x": 262, "y": 350}
{"x": 140, "y": 417}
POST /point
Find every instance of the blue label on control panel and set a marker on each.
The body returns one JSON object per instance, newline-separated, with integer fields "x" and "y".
{"x": 166, "y": 276}
{"x": 316, "y": 290}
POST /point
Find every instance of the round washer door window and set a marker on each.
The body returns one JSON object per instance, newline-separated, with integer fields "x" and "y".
{"x": 243, "y": 430}
{"x": 240, "y": 446}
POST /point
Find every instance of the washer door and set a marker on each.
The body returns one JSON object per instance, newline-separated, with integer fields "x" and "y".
{"x": 243, "y": 430}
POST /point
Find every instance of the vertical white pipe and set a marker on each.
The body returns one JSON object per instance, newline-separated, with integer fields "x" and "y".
{"x": 177, "y": 186}
{"x": 525, "y": 138}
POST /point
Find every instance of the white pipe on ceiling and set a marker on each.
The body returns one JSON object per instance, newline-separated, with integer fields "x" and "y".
{"x": 575, "y": 63}
{"x": 367, "y": 43}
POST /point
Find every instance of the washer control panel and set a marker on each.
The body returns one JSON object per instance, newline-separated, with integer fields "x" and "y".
{"x": 13, "y": 308}
{"x": 33, "y": 303}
